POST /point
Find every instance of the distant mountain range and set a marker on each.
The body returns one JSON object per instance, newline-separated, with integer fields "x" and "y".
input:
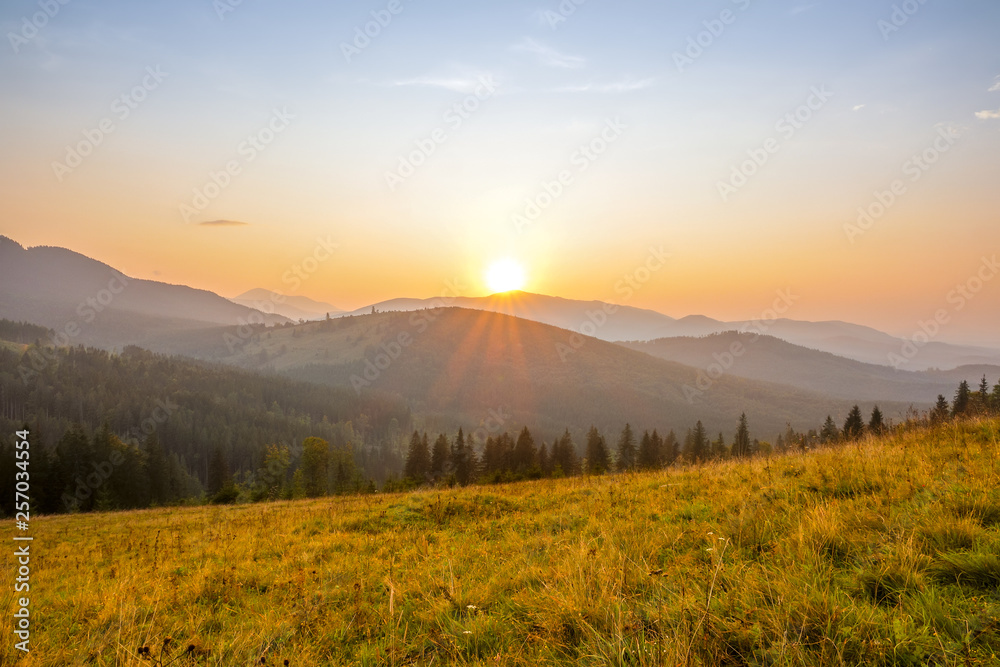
{"x": 291, "y": 306}
{"x": 771, "y": 359}
{"x": 543, "y": 361}
{"x": 627, "y": 323}
{"x": 86, "y": 301}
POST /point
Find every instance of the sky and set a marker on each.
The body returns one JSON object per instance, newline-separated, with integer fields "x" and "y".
{"x": 353, "y": 152}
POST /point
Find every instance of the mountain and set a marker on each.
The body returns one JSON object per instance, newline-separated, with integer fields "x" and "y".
{"x": 293, "y": 307}
{"x": 626, "y": 323}
{"x": 771, "y": 359}
{"x": 467, "y": 366}
{"x": 87, "y": 301}
{"x": 596, "y": 318}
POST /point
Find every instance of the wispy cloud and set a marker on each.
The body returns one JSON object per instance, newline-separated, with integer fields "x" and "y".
{"x": 804, "y": 8}
{"x": 995, "y": 88}
{"x": 858, "y": 107}
{"x": 988, "y": 115}
{"x": 222, "y": 223}
{"x": 623, "y": 86}
{"x": 548, "y": 56}
{"x": 462, "y": 82}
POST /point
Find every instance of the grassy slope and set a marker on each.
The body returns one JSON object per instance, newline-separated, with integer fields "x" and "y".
{"x": 881, "y": 553}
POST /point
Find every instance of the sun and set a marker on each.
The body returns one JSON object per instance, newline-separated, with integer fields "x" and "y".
{"x": 505, "y": 275}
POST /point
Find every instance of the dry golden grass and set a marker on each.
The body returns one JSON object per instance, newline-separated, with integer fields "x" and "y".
{"x": 881, "y": 553}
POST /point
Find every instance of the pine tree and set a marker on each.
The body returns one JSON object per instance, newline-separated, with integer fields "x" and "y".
{"x": 741, "y": 444}
{"x": 941, "y": 411}
{"x": 983, "y": 396}
{"x": 668, "y": 448}
{"x": 525, "y": 458}
{"x": 626, "y": 450}
{"x": 598, "y": 461}
{"x": 718, "y": 449}
{"x": 564, "y": 459}
{"x": 649, "y": 457}
{"x": 418, "y": 459}
{"x": 696, "y": 443}
{"x": 830, "y": 433}
{"x": 876, "y": 426}
{"x": 961, "y": 404}
{"x": 439, "y": 457}
{"x": 463, "y": 460}
{"x": 854, "y": 426}
{"x": 544, "y": 461}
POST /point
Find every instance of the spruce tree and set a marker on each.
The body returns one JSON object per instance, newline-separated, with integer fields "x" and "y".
{"x": 564, "y": 458}
{"x": 941, "y": 411}
{"x": 626, "y": 450}
{"x": 668, "y": 448}
{"x": 876, "y": 425}
{"x": 983, "y": 396}
{"x": 418, "y": 459}
{"x": 696, "y": 443}
{"x": 648, "y": 458}
{"x": 598, "y": 461}
{"x": 741, "y": 444}
{"x": 525, "y": 455}
{"x": 961, "y": 405}
{"x": 439, "y": 457}
{"x": 463, "y": 460}
{"x": 854, "y": 425}
{"x": 830, "y": 433}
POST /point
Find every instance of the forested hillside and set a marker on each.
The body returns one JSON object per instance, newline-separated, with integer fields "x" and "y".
{"x": 181, "y": 416}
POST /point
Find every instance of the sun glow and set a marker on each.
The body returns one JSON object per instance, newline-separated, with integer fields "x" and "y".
{"x": 505, "y": 275}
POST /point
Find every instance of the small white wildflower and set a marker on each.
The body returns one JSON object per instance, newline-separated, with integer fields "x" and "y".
{"x": 467, "y": 632}
{"x": 470, "y": 606}
{"x": 710, "y": 549}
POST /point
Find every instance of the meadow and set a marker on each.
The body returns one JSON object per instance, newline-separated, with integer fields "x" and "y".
{"x": 883, "y": 552}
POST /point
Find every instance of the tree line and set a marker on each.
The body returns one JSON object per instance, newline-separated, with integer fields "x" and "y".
{"x": 506, "y": 458}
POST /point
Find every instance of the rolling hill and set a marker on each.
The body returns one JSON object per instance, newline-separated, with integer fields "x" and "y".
{"x": 626, "y": 323}
{"x": 466, "y": 365}
{"x": 771, "y": 359}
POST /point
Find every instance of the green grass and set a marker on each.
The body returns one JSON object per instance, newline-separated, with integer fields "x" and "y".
{"x": 883, "y": 553}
